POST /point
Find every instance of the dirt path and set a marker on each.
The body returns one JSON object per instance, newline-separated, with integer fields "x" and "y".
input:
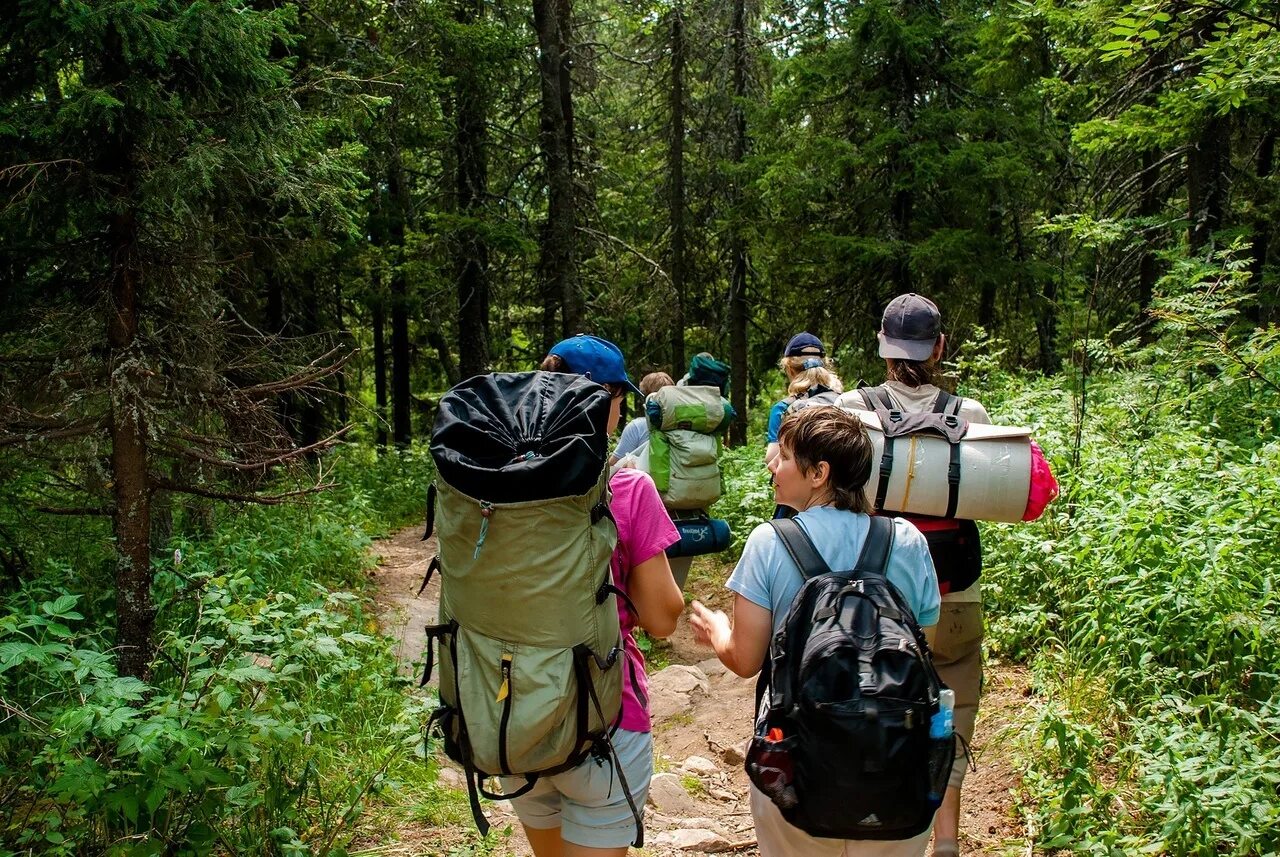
{"x": 710, "y": 727}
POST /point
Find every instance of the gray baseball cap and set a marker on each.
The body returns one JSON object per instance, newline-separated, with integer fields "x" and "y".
{"x": 909, "y": 328}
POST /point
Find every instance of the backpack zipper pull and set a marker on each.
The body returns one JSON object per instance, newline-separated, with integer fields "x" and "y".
{"x": 505, "y": 688}
{"x": 486, "y": 512}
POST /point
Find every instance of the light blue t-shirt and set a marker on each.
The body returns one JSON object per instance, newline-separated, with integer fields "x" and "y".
{"x": 634, "y": 434}
{"x": 766, "y": 575}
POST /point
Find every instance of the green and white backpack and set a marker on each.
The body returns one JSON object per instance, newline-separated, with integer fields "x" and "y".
{"x": 685, "y": 429}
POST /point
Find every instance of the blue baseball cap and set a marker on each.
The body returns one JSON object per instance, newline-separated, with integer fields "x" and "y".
{"x": 803, "y": 344}
{"x": 598, "y": 359}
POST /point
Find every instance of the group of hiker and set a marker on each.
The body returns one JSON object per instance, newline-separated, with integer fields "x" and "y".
{"x": 864, "y": 625}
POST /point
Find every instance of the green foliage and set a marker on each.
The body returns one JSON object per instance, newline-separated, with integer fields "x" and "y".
{"x": 1147, "y": 596}
{"x": 276, "y": 714}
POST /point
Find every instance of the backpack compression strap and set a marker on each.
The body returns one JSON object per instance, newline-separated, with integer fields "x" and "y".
{"x": 869, "y": 395}
{"x": 953, "y": 466}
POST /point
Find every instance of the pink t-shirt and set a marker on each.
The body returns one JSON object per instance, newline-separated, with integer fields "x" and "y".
{"x": 644, "y": 531}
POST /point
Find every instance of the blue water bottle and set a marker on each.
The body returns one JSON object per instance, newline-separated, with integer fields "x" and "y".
{"x": 941, "y": 745}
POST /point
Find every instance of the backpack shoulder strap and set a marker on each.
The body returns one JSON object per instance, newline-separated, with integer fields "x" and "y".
{"x": 947, "y": 403}
{"x": 800, "y": 547}
{"x": 874, "y": 557}
{"x": 877, "y": 397}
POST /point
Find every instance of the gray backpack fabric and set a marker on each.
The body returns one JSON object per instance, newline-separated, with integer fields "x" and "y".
{"x": 815, "y": 396}
{"x": 530, "y": 649}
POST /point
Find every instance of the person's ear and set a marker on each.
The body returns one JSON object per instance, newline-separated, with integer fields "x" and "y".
{"x": 939, "y": 347}
{"x": 819, "y": 475}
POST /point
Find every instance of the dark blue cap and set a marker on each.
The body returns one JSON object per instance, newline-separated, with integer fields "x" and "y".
{"x": 803, "y": 344}
{"x": 598, "y": 359}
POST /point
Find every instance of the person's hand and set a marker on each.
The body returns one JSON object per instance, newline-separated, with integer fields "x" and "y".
{"x": 710, "y": 627}
{"x": 629, "y": 462}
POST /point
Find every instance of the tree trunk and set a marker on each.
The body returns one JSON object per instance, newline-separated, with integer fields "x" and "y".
{"x": 676, "y": 200}
{"x": 1149, "y": 265}
{"x": 380, "y": 372}
{"x": 471, "y": 174}
{"x": 1262, "y": 228}
{"x": 1208, "y": 161}
{"x": 556, "y": 268}
{"x": 401, "y": 408}
{"x": 344, "y": 413}
{"x": 127, "y": 420}
{"x": 987, "y": 295}
{"x": 737, "y": 243}
{"x": 135, "y": 615}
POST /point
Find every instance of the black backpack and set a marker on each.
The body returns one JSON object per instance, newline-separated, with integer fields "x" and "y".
{"x": 841, "y": 743}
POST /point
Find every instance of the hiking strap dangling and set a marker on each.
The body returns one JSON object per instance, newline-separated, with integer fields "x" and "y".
{"x": 602, "y": 510}
{"x": 431, "y": 512}
{"x": 581, "y": 653}
{"x": 884, "y": 410}
{"x": 603, "y": 592}
{"x": 432, "y": 633}
{"x": 432, "y": 568}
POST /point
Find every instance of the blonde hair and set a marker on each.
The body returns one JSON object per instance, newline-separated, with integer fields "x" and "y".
{"x": 803, "y": 380}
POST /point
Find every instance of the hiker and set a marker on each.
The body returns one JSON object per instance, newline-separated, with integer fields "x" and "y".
{"x": 636, "y": 432}
{"x": 809, "y": 375}
{"x": 912, "y": 343}
{"x": 823, "y": 462}
{"x": 584, "y": 811}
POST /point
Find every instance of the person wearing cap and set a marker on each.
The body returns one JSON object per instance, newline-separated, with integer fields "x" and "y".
{"x": 912, "y": 344}
{"x": 804, "y": 362}
{"x": 584, "y": 811}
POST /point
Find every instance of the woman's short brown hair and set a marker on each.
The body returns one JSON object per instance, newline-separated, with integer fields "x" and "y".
{"x": 829, "y": 434}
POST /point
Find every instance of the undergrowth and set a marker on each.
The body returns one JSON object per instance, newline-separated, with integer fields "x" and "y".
{"x": 275, "y": 720}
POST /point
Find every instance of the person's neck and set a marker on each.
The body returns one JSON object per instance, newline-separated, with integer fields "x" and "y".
{"x": 816, "y": 502}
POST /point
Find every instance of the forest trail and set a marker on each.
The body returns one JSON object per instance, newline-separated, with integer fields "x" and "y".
{"x": 703, "y": 720}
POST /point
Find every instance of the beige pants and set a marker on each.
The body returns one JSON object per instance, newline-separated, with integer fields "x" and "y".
{"x": 777, "y": 838}
{"x": 957, "y": 654}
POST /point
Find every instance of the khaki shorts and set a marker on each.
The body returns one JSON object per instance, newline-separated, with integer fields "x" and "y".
{"x": 587, "y": 803}
{"x": 957, "y": 654}
{"x": 778, "y": 838}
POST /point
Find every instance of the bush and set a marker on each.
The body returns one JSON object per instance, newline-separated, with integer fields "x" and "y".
{"x": 275, "y": 709}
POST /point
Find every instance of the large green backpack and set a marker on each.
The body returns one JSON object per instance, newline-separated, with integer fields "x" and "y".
{"x": 530, "y": 649}
{"x": 685, "y": 425}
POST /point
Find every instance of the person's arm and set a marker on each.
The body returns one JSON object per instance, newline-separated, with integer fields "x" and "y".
{"x": 741, "y": 644}
{"x": 776, "y": 413}
{"x": 657, "y": 599}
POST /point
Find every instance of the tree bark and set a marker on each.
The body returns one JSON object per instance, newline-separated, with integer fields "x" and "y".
{"x": 1261, "y": 227}
{"x": 1208, "y": 161}
{"x": 380, "y": 371}
{"x": 676, "y": 195}
{"x": 556, "y": 264}
{"x": 127, "y": 417}
{"x": 401, "y": 408}
{"x": 131, "y": 520}
{"x": 1149, "y": 204}
{"x": 737, "y": 243}
{"x": 471, "y": 184}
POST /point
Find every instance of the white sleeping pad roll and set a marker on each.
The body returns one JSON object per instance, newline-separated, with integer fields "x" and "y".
{"x": 995, "y": 471}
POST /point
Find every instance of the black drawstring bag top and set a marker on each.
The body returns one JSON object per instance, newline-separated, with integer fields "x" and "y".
{"x": 510, "y": 437}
